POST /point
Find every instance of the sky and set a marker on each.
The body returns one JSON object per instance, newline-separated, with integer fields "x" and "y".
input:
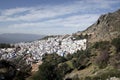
{"x": 52, "y": 17}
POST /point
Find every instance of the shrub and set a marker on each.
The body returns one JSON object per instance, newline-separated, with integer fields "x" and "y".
{"x": 69, "y": 56}
{"x": 64, "y": 68}
{"x": 47, "y": 71}
{"x": 115, "y": 61}
{"x": 102, "y": 59}
{"x": 116, "y": 43}
{"x": 101, "y": 45}
{"x": 53, "y": 58}
{"x": 81, "y": 59}
{"x": 81, "y": 36}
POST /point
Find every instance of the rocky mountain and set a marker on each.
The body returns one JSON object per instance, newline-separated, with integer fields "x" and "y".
{"x": 18, "y": 37}
{"x": 106, "y": 27}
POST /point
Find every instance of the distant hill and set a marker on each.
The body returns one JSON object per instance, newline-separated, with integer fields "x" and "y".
{"x": 106, "y": 27}
{"x": 18, "y": 37}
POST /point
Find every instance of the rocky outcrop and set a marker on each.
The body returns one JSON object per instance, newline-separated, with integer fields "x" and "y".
{"x": 106, "y": 27}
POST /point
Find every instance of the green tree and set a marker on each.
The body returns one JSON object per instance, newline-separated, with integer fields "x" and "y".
{"x": 48, "y": 71}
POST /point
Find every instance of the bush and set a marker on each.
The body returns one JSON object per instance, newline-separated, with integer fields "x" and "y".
{"x": 81, "y": 59}
{"x": 53, "y": 58}
{"x": 116, "y": 43}
{"x": 101, "y": 45}
{"x": 47, "y": 71}
{"x": 102, "y": 59}
{"x": 69, "y": 56}
{"x": 81, "y": 36}
{"x": 65, "y": 68}
{"x": 115, "y": 61}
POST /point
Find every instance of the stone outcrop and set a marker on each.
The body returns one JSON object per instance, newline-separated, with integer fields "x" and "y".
{"x": 106, "y": 27}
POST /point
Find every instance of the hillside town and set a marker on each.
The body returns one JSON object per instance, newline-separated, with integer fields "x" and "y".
{"x": 33, "y": 51}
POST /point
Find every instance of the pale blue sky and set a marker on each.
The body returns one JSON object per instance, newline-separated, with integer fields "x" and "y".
{"x": 52, "y": 16}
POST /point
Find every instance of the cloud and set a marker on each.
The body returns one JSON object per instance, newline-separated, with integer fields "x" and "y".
{"x": 75, "y": 21}
{"x": 36, "y": 13}
{"x": 73, "y": 16}
{"x": 9, "y": 12}
{"x": 45, "y": 12}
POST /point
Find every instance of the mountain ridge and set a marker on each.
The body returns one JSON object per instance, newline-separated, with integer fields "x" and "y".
{"x": 105, "y": 28}
{"x": 18, "y": 37}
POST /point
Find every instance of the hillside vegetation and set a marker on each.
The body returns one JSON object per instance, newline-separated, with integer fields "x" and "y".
{"x": 100, "y": 61}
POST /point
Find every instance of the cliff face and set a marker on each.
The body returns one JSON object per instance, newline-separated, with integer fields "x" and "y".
{"x": 106, "y": 27}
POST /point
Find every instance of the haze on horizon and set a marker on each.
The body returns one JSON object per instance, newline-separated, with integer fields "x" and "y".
{"x": 51, "y": 17}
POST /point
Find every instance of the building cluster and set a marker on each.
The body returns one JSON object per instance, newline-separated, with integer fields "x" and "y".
{"x": 33, "y": 51}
